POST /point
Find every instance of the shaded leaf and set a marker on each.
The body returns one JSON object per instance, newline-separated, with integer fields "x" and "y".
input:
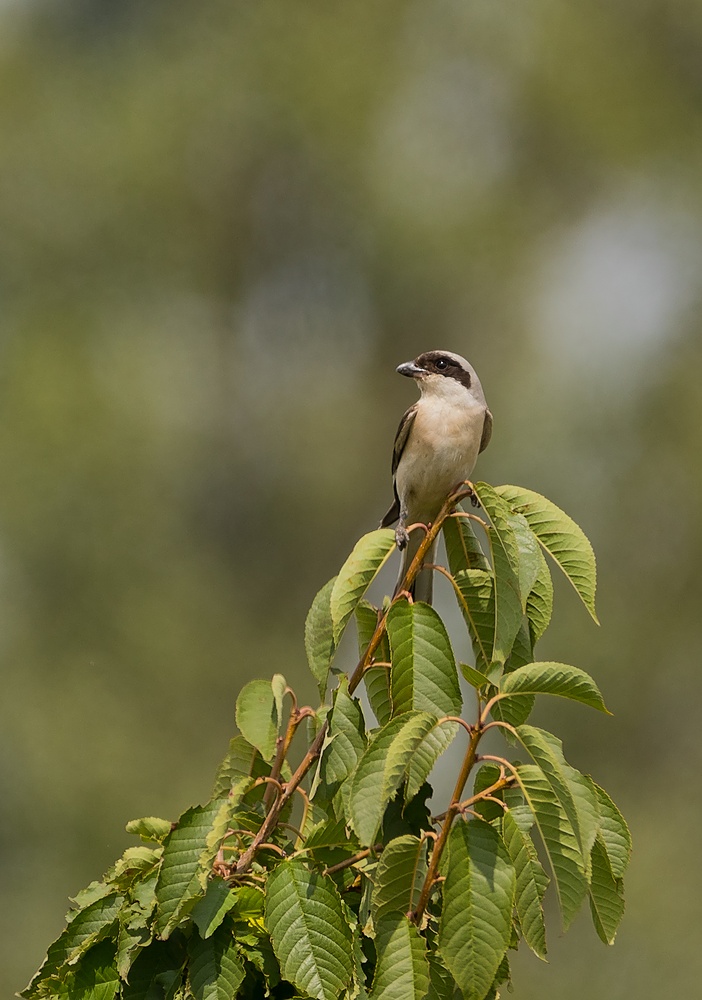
{"x": 399, "y": 877}
{"x": 539, "y": 605}
{"x": 614, "y": 832}
{"x": 463, "y": 548}
{"x": 310, "y": 935}
{"x": 242, "y": 760}
{"x": 529, "y": 556}
{"x": 424, "y": 676}
{"x": 209, "y": 911}
{"x": 561, "y": 537}
{"x": 356, "y": 575}
{"x": 559, "y": 840}
{"x": 556, "y": 679}
{"x": 606, "y": 895}
{"x": 505, "y": 561}
{"x": 402, "y": 972}
{"x": 476, "y": 592}
{"x": 442, "y": 985}
{"x": 156, "y": 971}
{"x": 531, "y": 884}
{"x": 377, "y": 682}
{"x": 96, "y": 976}
{"x": 257, "y": 716}
{"x": 476, "y": 922}
{"x": 215, "y": 971}
{"x": 319, "y": 636}
{"x": 381, "y": 769}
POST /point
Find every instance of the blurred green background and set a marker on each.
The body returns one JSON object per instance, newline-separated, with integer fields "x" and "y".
{"x": 222, "y": 225}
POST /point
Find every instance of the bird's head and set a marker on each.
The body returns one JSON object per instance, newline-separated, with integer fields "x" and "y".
{"x": 443, "y": 373}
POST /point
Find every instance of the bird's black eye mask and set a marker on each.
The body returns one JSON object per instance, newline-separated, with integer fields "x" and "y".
{"x": 442, "y": 364}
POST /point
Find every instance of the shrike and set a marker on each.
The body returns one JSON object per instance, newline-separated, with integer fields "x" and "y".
{"x": 436, "y": 448}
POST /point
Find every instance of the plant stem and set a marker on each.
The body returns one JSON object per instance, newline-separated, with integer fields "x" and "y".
{"x": 453, "y": 809}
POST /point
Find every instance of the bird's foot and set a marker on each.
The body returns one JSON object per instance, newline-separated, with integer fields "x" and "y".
{"x": 401, "y": 535}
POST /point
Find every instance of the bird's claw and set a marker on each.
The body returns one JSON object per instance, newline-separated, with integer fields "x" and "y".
{"x": 401, "y": 536}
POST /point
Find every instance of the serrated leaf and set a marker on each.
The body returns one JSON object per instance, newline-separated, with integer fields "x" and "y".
{"x": 377, "y": 682}
{"x": 424, "y": 676}
{"x": 310, "y": 935}
{"x": 506, "y": 562}
{"x": 476, "y": 922}
{"x": 529, "y": 555}
{"x": 332, "y": 833}
{"x": 242, "y": 760}
{"x": 539, "y": 605}
{"x": 516, "y": 709}
{"x": 577, "y": 798}
{"x": 381, "y": 769}
{"x": 476, "y": 593}
{"x": 559, "y": 840}
{"x": 561, "y": 537}
{"x": 531, "y": 884}
{"x": 402, "y": 971}
{"x": 554, "y": 678}
{"x": 187, "y": 851}
{"x": 399, "y": 877}
{"x": 442, "y": 985}
{"x": 209, "y": 911}
{"x": 215, "y": 971}
{"x": 319, "y": 636}
{"x": 606, "y": 894}
{"x": 473, "y": 676}
{"x": 156, "y": 971}
{"x": 463, "y": 549}
{"x": 356, "y": 575}
{"x": 89, "y": 926}
{"x": 96, "y": 976}
{"x": 257, "y": 716}
{"x": 150, "y": 828}
{"x": 614, "y": 832}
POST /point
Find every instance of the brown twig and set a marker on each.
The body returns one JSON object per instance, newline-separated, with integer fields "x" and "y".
{"x": 348, "y": 862}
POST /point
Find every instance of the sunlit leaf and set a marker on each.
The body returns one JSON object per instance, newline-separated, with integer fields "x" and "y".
{"x": 614, "y": 833}
{"x": 310, "y": 935}
{"x": 478, "y": 893}
{"x": 531, "y": 884}
{"x": 257, "y": 716}
{"x": 561, "y": 537}
{"x": 402, "y": 972}
{"x": 559, "y": 840}
{"x": 381, "y": 769}
{"x": 356, "y": 575}
{"x": 399, "y": 876}
{"x": 319, "y": 636}
{"x": 539, "y": 605}
{"x": 506, "y": 562}
{"x": 556, "y": 679}
{"x": 242, "y": 760}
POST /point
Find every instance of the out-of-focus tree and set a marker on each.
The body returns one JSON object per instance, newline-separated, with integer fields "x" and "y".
{"x": 222, "y": 224}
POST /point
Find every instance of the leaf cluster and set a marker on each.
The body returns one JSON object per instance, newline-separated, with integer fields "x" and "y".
{"x": 333, "y": 881}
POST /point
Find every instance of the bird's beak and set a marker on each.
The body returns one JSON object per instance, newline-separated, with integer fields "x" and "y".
{"x": 410, "y": 370}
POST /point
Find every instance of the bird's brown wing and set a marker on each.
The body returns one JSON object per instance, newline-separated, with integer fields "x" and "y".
{"x": 487, "y": 431}
{"x": 399, "y": 446}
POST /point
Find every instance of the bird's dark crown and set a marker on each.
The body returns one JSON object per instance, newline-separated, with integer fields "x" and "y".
{"x": 440, "y": 363}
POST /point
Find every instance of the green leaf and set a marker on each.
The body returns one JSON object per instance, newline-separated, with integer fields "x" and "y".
{"x": 96, "y": 976}
{"x": 402, "y": 972}
{"x": 539, "y": 605}
{"x": 209, "y": 911}
{"x": 319, "y": 636}
{"x": 399, "y": 877}
{"x": 150, "y": 828}
{"x": 476, "y": 592}
{"x": 188, "y": 851}
{"x": 557, "y": 679}
{"x": 356, "y": 575}
{"x": 606, "y": 894}
{"x": 310, "y": 934}
{"x": 463, "y": 549}
{"x": 156, "y": 972}
{"x": 242, "y": 760}
{"x": 476, "y": 922}
{"x": 531, "y": 884}
{"x": 559, "y": 840}
{"x": 529, "y": 556}
{"x": 442, "y": 985}
{"x": 424, "y": 676}
{"x": 381, "y": 769}
{"x": 614, "y": 833}
{"x": 257, "y": 716}
{"x": 485, "y": 776}
{"x": 347, "y": 736}
{"x": 576, "y": 796}
{"x": 506, "y": 562}
{"x": 376, "y": 679}
{"x": 215, "y": 970}
{"x": 516, "y": 709}
{"x": 473, "y": 676}
{"x": 561, "y": 537}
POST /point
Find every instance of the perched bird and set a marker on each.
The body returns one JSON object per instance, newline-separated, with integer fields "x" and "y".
{"x": 436, "y": 448}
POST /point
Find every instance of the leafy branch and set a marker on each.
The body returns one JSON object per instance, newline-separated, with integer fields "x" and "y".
{"x": 331, "y": 879}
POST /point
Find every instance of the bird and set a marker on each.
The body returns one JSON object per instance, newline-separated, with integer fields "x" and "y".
{"x": 436, "y": 448}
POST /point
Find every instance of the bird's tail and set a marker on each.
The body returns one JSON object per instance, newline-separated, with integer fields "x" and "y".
{"x": 423, "y": 587}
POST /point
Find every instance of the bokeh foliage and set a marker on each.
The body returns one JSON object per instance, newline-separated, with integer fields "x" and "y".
{"x": 221, "y": 226}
